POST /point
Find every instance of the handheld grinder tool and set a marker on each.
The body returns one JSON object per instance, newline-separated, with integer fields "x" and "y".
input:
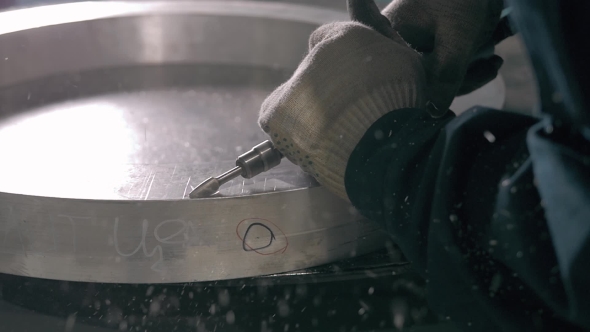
{"x": 260, "y": 158}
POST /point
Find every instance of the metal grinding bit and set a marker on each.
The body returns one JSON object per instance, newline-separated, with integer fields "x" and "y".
{"x": 259, "y": 159}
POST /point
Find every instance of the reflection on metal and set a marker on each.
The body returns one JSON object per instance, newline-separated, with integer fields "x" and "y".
{"x": 111, "y": 113}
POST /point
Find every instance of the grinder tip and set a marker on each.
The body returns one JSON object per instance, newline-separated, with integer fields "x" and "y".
{"x": 206, "y": 188}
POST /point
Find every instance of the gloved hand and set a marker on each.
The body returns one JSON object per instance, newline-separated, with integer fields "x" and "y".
{"x": 450, "y": 34}
{"x": 351, "y": 77}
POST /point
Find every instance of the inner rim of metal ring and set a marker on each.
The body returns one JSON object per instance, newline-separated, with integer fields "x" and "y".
{"x": 82, "y": 50}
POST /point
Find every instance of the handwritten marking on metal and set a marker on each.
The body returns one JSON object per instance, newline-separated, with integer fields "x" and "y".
{"x": 144, "y": 226}
{"x": 38, "y": 235}
{"x": 246, "y": 247}
{"x": 262, "y": 237}
{"x": 178, "y": 237}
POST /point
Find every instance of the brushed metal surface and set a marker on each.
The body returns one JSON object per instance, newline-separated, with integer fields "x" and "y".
{"x": 111, "y": 112}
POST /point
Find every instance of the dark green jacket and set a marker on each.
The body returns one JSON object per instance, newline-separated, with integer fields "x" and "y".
{"x": 493, "y": 208}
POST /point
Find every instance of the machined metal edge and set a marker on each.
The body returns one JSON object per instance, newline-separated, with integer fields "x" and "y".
{"x": 179, "y": 241}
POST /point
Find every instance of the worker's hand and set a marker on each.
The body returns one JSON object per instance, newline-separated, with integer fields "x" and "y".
{"x": 351, "y": 77}
{"x": 450, "y": 34}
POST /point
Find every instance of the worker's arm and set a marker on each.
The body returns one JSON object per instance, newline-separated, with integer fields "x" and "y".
{"x": 352, "y": 79}
{"x": 460, "y": 197}
{"x": 456, "y": 39}
{"x": 353, "y": 75}
{"x": 488, "y": 206}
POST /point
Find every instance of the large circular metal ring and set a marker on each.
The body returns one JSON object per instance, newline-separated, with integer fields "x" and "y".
{"x": 111, "y": 112}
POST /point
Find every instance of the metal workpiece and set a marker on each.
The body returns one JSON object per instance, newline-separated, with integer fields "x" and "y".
{"x": 112, "y": 112}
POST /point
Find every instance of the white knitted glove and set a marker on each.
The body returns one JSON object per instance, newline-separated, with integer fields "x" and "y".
{"x": 449, "y": 33}
{"x": 351, "y": 77}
